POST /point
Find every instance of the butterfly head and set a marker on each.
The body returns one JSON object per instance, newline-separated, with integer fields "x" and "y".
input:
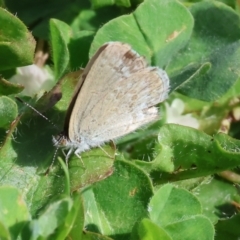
{"x": 60, "y": 140}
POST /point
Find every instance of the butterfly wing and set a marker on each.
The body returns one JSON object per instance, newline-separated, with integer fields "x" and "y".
{"x": 117, "y": 96}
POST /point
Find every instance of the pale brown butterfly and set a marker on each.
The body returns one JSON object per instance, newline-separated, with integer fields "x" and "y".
{"x": 116, "y": 94}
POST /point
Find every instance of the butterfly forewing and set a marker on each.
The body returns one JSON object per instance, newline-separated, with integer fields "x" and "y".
{"x": 106, "y": 66}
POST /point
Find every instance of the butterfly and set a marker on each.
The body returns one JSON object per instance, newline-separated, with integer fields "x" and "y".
{"x": 116, "y": 94}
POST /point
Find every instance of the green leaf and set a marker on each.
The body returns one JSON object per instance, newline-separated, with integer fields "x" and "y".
{"x": 96, "y": 165}
{"x": 13, "y": 212}
{"x": 188, "y": 229}
{"x": 216, "y": 197}
{"x": 79, "y": 49}
{"x": 53, "y": 217}
{"x": 228, "y": 229}
{"x": 148, "y": 230}
{"x": 60, "y": 37}
{"x": 16, "y": 42}
{"x": 79, "y": 15}
{"x": 116, "y": 203}
{"x": 7, "y": 88}
{"x": 4, "y": 233}
{"x": 94, "y": 236}
{"x": 64, "y": 44}
{"x": 209, "y": 65}
{"x": 180, "y": 214}
{"x": 75, "y": 219}
{"x": 124, "y": 3}
{"x": 170, "y": 205}
{"x": 138, "y": 30}
{"x": 72, "y": 226}
{"x": 185, "y": 153}
{"x": 8, "y": 111}
{"x": 102, "y": 3}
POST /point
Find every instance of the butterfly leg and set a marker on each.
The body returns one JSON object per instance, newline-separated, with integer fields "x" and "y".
{"x": 105, "y": 152}
{"x": 68, "y": 155}
{"x": 65, "y": 155}
{"x": 77, "y": 154}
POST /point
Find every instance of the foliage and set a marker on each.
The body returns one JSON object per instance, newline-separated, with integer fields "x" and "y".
{"x": 164, "y": 181}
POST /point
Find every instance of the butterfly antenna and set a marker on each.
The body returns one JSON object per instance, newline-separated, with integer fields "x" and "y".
{"x": 36, "y": 111}
{"x": 53, "y": 160}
